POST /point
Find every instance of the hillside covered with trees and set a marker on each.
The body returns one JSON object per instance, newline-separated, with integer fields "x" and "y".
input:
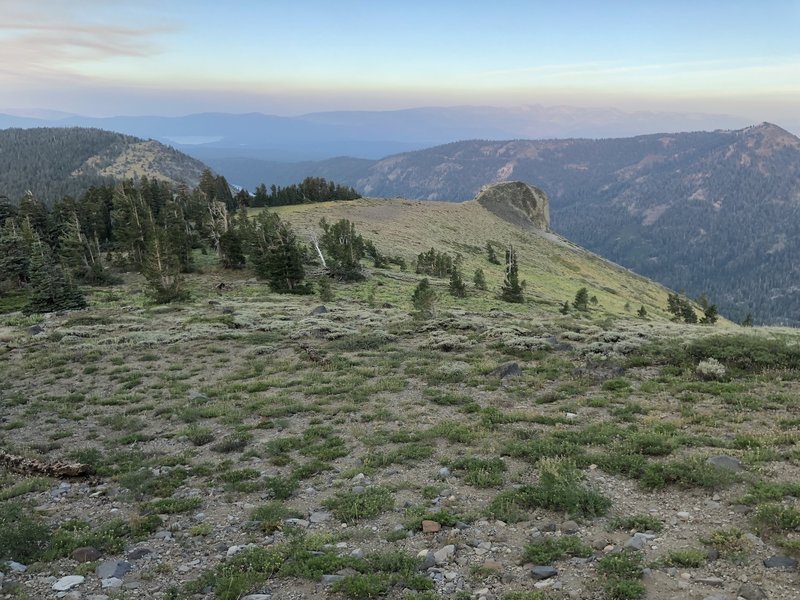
{"x": 53, "y": 162}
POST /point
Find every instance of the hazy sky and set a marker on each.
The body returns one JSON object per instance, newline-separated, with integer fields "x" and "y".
{"x": 107, "y": 57}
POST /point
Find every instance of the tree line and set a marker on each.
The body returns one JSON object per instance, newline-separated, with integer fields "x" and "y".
{"x": 154, "y": 228}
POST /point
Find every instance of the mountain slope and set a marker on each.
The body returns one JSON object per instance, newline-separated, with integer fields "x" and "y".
{"x": 553, "y": 267}
{"x": 713, "y": 212}
{"x": 54, "y": 162}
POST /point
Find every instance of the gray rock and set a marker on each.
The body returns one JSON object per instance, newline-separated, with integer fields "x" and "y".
{"x": 543, "y": 572}
{"x": 444, "y": 555}
{"x": 716, "y": 597}
{"x": 358, "y": 553}
{"x": 138, "y": 553}
{"x": 16, "y": 567}
{"x": 297, "y": 522}
{"x": 85, "y": 554}
{"x": 319, "y": 517}
{"x": 320, "y": 310}
{"x": 729, "y": 463}
{"x": 359, "y": 489}
{"x": 444, "y": 472}
{"x": 749, "y": 591}
{"x": 507, "y": 370}
{"x": 780, "y": 562}
{"x": 112, "y": 568}
{"x": 331, "y": 579}
{"x": 257, "y": 597}
{"x": 712, "y": 581}
{"x": 111, "y": 583}
{"x": 67, "y": 583}
{"x": 428, "y": 561}
{"x": 569, "y": 527}
{"x": 35, "y": 329}
{"x": 637, "y": 541}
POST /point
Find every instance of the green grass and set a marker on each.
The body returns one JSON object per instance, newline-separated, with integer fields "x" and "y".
{"x": 547, "y": 550}
{"x": 481, "y": 472}
{"x": 559, "y": 488}
{"x": 688, "y": 557}
{"x": 350, "y": 507}
{"x": 638, "y": 523}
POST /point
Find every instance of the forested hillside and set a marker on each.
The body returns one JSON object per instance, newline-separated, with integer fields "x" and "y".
{"x": 714, "y": 212}
{"x": 56, "y": 162}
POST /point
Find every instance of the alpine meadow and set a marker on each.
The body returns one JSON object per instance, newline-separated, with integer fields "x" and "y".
{"x": 431, "y": 301}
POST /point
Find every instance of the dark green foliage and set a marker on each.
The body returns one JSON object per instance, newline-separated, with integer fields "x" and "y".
{"x": 581, "y": 301}
{"x": 324, "y": 289}
{"x": 748, "y": 320}
{"x": 424, "y": 298}
{"x": 681, "y": 309}
{"x": 311, "y": 189}
{"x": 481, "y": 472}
{"x": 491, "y": 255}
{"x": 434, "y": 263}
{"x": 231, "y": 249}
{"x": 457, "y": 287}
{"x": 709, "y": 315}
{"x": 638, "y": 523}
{"x": 23, "y": 537}
{"x": 344, "y": 248}
{"x": 15, "y": 254}
{"x": 564, "y": 310}
{"x": 51, "y": 288}
{"x": 511, "y": 290}
{"x": 479, "y": 280}
{"x": 642, "y": 312}
{"x": 276, "y": 256}
{"x": 161, "y": 268}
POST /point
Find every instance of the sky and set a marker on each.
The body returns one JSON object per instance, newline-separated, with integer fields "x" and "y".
{"x": 175, "y": 57}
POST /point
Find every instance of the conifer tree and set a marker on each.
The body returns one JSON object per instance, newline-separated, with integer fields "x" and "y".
{"x": 581, "y": 301}
{"x": 324, "y": 289}
{"x": 51, "y": 288}
{"x": 710, "y": 315}
{"x": 511, "y": 290}
{"x": 479, "y": 279}
{"x": 161, "y": 269}
{"x": 748, "y": 320}
{"x": 15, "y": 255}
{"x": 458, "y": 288}
{"x": 642, "y": 312}
{"x": 491, "y": 254}
{"x": 344, "y": 248}
{"x": 424, "y": 299}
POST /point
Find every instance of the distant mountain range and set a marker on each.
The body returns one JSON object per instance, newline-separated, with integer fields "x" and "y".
{"x": 55, "y": 162}
{"x": 226, "y": 138}
{"x": 714, "y": 212}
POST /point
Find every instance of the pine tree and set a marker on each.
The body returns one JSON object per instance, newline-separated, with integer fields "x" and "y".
{"x": 231, "y": 252}
{"x": 161, "y": 269}
{"x": 15, "y": 255}
{"x": 284, "y": 264}
{"x": 458, "y": 288}
{"x": 748, "y": 320}
{"x": 424, "y": 299}
{"x": 491, "y": 255}
{"x": 51, "y": 288}
{"x": 344, "y": 247}
{"x": 511, "y": 290}
{"x": 479, "y": 280}
{"x": 324, "y": 289}
{"x": 581, "y": 301}
{"x": 642, "y": 312}
{"x": 710, "y": 315}
{"x": 564, "y": 310}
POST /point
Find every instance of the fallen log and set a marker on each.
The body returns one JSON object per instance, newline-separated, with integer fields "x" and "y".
{"x": 31, "y": 466}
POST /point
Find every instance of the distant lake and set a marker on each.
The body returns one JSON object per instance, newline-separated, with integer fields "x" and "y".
{"x": 194, "y": 140}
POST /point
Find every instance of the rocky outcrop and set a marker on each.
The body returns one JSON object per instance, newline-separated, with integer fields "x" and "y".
{"x": 518, "y": 203}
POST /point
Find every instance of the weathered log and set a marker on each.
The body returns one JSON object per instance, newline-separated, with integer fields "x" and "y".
{"x": 31, "y": 466}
